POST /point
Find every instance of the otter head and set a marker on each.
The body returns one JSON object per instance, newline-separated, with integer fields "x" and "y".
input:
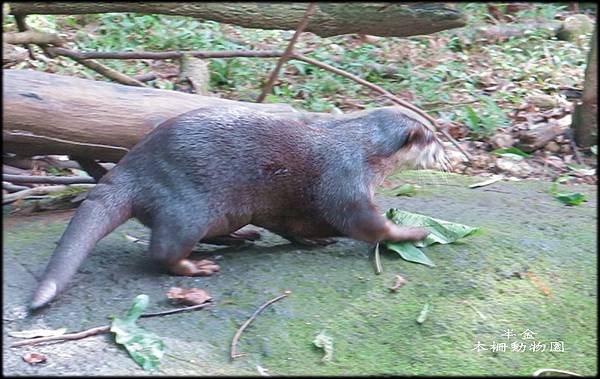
{"x": 400, "y": 141}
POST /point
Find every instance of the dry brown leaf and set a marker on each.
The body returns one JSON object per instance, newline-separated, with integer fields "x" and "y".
{"x": 538, "y": 283}
{"x": 189, "y": 296}
{"x": 400, "y": 281}
{"x": 35, "y": 358}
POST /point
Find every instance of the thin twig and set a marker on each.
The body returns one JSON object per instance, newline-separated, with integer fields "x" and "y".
{"x": 178, "y": 310}
{"x": 43, "y": 39}
{"x": 172, "y": 54}
{"x": 100, "y": 329}
{"x": 103, "y": 70}
{"x": 22, "y": 27}
{"x": 48, "y": 179}
{"x": 473, "y": 308}
{"x": 237, "y": 335}
{"x": 376, "y": 88}
{"x": 455, "y": 143}
{"x": 287, "y": 53}
{"x": 377, "y": 259}
{"x": 64, "y": 337}
{"x": 543, "y": 370}
{"x": 12, "y": 187}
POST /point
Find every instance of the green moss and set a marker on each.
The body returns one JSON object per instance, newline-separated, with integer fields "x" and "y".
{"x": 474, "y": 292}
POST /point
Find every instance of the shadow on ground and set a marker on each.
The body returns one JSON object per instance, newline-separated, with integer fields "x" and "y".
{"x": 475, "y": 294}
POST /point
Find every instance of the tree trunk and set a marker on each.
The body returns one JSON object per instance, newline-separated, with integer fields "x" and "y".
{"x": 330, "y": 19}
{"x": 585, "y": 122}
{"x": 54, "y": 114}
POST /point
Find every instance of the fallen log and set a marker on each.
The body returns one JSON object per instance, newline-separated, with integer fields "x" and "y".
{"x": 330, "y": 19}
{"x": 50, "y": 114}
{"x": 538, "y": 137}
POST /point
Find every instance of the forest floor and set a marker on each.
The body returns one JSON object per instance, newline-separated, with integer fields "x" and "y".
{"x": 532, "y": 269}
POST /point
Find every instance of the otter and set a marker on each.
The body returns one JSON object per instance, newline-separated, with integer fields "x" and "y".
{"x": 204, "y": 174}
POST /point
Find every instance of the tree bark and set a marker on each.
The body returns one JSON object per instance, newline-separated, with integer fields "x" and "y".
{"x": 330, "y": 19}
{"x": 585, "y": 122}
{"x": 48, "y": 114}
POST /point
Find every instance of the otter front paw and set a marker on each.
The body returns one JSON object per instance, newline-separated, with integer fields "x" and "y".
{"x": 192, "y": 267}
{"x": 398, "y": 233}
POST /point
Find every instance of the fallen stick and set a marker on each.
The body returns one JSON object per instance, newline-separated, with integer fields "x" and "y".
{"x": 494, "y": 179}
{"x": 44, "y": 39}
{"x": 287, "y": 53}
{"x": 543, "y": 370}
{"x": 12, "y": 187}
{"x": 64, "y": 337}
{"x": 237, "y": 335}
{"x": 99, "y": 329}
{"x": 172, "y": 54}
{"x": 377, "y": 260}
{"x": 48, "y": 179}
{"x": 43, "y": 190}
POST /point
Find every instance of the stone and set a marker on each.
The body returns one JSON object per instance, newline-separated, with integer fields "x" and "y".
{"x": 501, "y": 140}
{"x": 575, "y": 26}
{"x": 514, "y": 167}
{"x": 552, "y": 147}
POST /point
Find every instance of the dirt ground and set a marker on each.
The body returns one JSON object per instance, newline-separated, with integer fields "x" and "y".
{"x": 533, "y": 268}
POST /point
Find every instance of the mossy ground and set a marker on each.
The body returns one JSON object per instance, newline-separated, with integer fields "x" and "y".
{"x": 475, "y": 294}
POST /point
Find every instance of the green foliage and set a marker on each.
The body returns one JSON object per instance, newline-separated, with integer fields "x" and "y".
{"x": 441, "y": 68}
{"x": 511, "y": 151}
{"x": 441, "y": 231}
{"x": 405, "y": 190}
{"x": 145, "y": 348}
{"x": 568, "y": 198}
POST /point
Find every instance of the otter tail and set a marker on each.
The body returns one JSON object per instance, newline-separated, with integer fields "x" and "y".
{"x": 103, "y": 211}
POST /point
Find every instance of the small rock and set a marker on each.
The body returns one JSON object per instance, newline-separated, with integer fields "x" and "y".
{"x": 543, "y": 101}
{"x": 574, "y": 26}
{"x": 552, "y": 147}
{"x": 501, "y": 141}
{"x": 480, "y": 161}
{"x": 455, "y": 157}
{"x": 518, "y": 168}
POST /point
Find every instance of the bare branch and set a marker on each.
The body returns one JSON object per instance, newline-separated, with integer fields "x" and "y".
{"x": 237, "y": 335}
{"x": 6, "y": 199}
{"x": 47, "y": 179}
{"x": 29, "y": 36}
{"x": 173, "y": 54}
{"x": 288, "y": 51}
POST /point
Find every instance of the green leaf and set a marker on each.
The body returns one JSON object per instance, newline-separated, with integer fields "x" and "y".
{"x": 581, "y": 169}
{"x": 409, "y": 252}
{"x": 326, "y": 343}
{"x": 594, "y": 149}
{"x": 511, "y": 150}
{"x": 145, "y": 348}
{"x": 405, "y": 190}
{"x": 441, "y": 231}
{"x": 472, "y": 117}
{"x": 568, "y": 198}
{"x": 571, "y": 198}
{"x": 423, "y": 315}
